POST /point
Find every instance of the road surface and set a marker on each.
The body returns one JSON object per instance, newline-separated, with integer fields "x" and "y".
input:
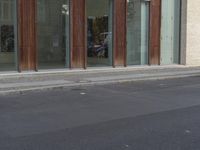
{"x": 143, "y": 115}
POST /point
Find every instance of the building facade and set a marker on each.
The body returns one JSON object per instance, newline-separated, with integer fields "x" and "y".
{"x": 68, "y": 34}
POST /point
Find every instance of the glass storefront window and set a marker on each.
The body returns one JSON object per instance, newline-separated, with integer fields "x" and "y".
{"x": 8, "y": 35}
{"x": 137, "y": 32}
{"x": 170, "y": 32}
{"x": 53, "y": 33}
{"x": 99, "y": 32}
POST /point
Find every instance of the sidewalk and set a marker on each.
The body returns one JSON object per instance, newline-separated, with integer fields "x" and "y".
{"x": 44, "y": 80}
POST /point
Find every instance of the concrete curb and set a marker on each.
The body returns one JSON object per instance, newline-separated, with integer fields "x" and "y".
{"x": 24, "y": 90}
{"x": 90, "y": 71}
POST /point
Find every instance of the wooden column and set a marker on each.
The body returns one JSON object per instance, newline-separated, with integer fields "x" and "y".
{"x": 155, "y": 26}
{"x": 27, "y": 34}
{"x": 119, "y": 35}
{"x": 78, "y": 34}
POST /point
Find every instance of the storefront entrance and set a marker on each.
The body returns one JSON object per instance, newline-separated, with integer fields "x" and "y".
{"x": 137, "y": 32}
{"x": 71, "y": 34}
{"x": 170, "y": 35}
{"x": 99, "y": 32}
{"x": 8, "y": 36}
{"x": 53, "y": 33}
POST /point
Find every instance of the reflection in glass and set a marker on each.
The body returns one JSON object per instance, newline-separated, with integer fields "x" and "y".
{"x": 137, "y": 32}
{"x": 99, "y": 32}
{"x": 7, "y": 35}
{"x": 53, "y": 33}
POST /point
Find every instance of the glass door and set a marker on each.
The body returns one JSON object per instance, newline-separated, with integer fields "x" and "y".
{"x": 137, "y": 32}
{"x": 53, "y": 33}
{"x": 99, "y": 32}
{"x": 8, "y": 35}
{"x": 170, "y": 32}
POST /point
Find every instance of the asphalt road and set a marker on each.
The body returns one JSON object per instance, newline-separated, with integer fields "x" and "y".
{"x": 148, "y": 115}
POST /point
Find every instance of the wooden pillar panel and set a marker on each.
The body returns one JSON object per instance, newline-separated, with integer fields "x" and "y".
{"x": 27, "y": 34}
{"x": 78, "y": 34}
{"x": 155, "y": 25}
{"x": 119, "y": 35}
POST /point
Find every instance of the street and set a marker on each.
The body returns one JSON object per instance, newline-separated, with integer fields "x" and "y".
{"x": 142, "y": 115}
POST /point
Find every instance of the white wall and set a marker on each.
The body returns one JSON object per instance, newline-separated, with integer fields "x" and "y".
{"x": 193, "y": 33}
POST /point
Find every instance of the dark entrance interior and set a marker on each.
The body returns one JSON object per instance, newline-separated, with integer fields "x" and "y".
{"x": 98, "y": 33}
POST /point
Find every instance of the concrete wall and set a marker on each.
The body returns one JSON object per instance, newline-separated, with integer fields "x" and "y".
{"x": 193, "y": 33}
